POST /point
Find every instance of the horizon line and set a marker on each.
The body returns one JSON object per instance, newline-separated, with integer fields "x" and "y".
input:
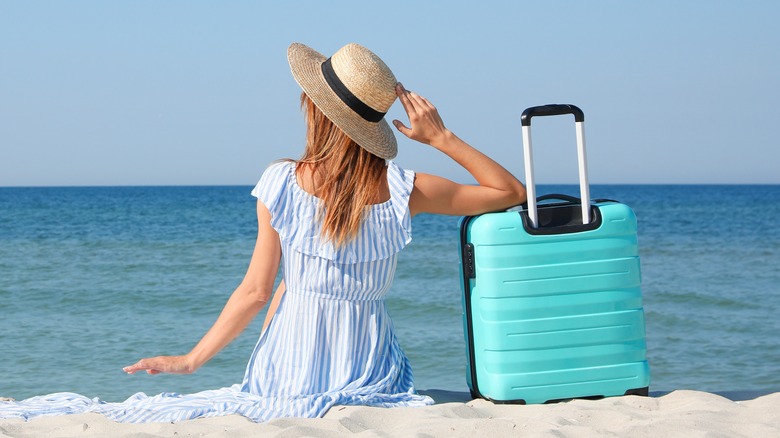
{"x": 574, "y": 184}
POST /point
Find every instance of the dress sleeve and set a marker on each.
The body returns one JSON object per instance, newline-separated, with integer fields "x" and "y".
{"x": 401, "y": 182}
{"x": 271, "y": 190}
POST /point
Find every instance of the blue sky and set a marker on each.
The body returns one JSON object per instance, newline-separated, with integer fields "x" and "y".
{"x": 194, "y": 92}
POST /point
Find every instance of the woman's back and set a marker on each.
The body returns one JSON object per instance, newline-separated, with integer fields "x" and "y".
{"x": 360, "y": 269}
{"x": 311, "y": 183}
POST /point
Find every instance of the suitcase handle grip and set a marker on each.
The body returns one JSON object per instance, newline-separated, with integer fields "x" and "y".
{"x": 555, "y": 196}
{"x": 567, "y": 198}
{"x": 551, "y": 110}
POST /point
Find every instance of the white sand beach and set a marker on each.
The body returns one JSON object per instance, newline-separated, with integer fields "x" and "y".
{"x": 680, "y": 413}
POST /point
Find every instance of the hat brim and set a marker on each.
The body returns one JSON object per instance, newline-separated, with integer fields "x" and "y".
{"x": 375, "y": 137}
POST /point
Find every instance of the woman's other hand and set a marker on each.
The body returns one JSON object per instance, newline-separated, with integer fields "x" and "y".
{"x": 426, "y": 124}
{"x": 244, "y": 304}
{"x": 162, "y": 364}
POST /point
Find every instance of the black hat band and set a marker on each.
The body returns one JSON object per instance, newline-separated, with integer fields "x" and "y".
{"x": 346, "y": 96}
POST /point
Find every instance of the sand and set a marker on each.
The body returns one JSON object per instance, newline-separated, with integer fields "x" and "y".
{"x": 675, "y": 414}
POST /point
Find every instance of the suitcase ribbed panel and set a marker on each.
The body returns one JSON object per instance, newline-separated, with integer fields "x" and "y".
{"x": 556, "y": 316}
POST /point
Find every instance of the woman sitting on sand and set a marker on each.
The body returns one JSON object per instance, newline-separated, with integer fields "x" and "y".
{"x": 338, "y": 218}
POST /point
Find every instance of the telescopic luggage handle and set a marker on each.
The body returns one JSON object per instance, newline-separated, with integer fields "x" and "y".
{"x": 579, "y": 119}
{"x": 551, "y": 110}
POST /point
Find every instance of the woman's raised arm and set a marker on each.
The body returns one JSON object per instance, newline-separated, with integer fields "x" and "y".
{"x": 244, "y": 304}
{"x": 498, "y": 189}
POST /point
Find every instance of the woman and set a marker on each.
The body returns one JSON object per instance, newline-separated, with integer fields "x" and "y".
{"x": 338, "y": 218}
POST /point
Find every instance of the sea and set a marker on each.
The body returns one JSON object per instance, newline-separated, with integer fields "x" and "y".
{"x": 94, "y": 278}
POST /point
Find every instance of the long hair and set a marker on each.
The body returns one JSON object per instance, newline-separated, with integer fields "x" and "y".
{"x": 347, "y": 176}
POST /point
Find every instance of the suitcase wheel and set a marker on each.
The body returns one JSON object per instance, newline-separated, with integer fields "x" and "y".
{"x": 644, "y": 392}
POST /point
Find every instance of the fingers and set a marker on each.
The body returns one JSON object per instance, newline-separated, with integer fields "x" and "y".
{"x": 425, "y": 124}
{"x": 162, "y": 364}
{"x": 403, "y": 96}
{"x": 411, "y": 101}
{"x": 138, "y": 366}
{"x": 147, "y": 365}
{"x": 403, "y": 129}
{"x": 131, "y": 369}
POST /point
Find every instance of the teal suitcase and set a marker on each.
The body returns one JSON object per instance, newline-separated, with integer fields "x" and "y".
{"x": 552, "y": 297}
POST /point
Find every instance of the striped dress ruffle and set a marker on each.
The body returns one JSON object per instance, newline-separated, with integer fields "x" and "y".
{"x": 331, "y": 341}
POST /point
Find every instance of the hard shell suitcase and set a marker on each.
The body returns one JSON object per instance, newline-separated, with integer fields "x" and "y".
{"x": 551, "y": 294}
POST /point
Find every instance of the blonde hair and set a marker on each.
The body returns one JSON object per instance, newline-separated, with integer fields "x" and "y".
{"x": 348, "y": 176}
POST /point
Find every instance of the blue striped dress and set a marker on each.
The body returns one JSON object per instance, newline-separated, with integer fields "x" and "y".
{"x": 331, "y": 341}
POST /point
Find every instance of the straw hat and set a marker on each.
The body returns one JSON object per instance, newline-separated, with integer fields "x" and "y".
{"x": 353, "y": 88}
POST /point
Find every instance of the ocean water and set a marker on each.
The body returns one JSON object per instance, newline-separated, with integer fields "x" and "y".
{"x": 92, "y": 279}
